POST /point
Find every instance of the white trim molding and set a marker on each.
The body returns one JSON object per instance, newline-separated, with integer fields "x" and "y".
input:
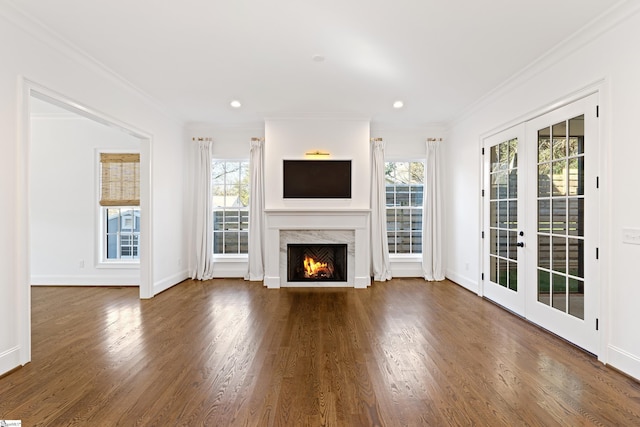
{"x": 169, "y": 282}
{"x": 11, "y": 359}
{"x": 624, "y": 361}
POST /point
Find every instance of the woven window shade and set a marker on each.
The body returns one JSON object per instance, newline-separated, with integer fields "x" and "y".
{"x": 120, "y": 179}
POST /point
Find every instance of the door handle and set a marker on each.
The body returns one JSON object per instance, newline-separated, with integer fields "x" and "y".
{"x": 520, "y": 244}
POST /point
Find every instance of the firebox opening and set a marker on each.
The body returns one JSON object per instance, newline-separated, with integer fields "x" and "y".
{"x": 316, "y": 262}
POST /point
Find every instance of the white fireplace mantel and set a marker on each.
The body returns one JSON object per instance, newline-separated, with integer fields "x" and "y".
{"x": 318, "y": 220}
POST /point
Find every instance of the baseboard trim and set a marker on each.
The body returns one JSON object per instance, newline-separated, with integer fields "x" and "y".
{"x": 624, "y": 361}
{"x": 272, "y": 282}
{"x": 10, "y": 360}
{"x": 89, "y": 280}
{"x": 463, "y": 281}
{"x": 169, "y": 282}
{"x": 362, "y": 282}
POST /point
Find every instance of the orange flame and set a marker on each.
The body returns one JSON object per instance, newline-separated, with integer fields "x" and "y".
{"x": 313, "y": 268}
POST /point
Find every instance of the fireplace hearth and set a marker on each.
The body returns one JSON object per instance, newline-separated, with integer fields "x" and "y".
{"x": 317, "y": 262}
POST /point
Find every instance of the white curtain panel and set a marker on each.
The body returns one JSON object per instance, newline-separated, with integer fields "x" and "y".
{"x": 380, "y": 265}
{"x": 255, "y": 271}
{"x": 432, "y": 216}
{"x": 203, "y": 224}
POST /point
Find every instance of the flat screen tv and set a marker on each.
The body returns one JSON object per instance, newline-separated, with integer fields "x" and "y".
{"x": 317, "y": 179}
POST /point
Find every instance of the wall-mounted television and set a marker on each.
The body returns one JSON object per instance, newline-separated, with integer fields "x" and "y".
{"x": 317, "y": 179}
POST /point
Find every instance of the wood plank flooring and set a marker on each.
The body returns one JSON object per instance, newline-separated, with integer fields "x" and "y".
{"x": 232, "y": 353}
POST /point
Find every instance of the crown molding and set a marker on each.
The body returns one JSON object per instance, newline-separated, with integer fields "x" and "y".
{"x": 34, "y": 90}
{"x": 242, "y": 126}
{"x": 57, "y": 116}
{"x": 440, "y": 127}
{"x": 316, "y": 116}
{"x": 594, "y": 29}
{"x": 45, "y": 35}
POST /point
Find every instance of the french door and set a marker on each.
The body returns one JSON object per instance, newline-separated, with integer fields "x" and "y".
{"x": 541, "y": 221}
{"x": 504, "y": 219}
{"x": 564, "y": 230}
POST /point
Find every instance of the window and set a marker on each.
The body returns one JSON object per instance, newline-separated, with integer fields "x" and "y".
{"x": 122, "y": 227}
{"x": 119, "y": 206}
{"x": 404, "y": 194}
{"x": 230, "y": 189}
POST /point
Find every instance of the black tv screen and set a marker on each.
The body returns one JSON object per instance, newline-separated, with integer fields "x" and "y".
{"x": 317, "y": 179}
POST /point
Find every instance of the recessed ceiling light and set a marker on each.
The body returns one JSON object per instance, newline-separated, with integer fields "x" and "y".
{"x": 398, "y": 104}
{"x": 317, "y": 58}
{"x": 235, "y": 103}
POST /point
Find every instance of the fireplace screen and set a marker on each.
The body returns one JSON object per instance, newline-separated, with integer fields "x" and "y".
{"x": 317, "y": 262}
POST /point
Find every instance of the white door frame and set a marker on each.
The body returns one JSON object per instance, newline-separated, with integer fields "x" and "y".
{"x": 27, "y": 89}
{"x": 602, "y": 88}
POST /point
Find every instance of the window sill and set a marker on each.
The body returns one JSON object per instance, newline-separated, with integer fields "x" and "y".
{"x": 405, "y": 257}
{"x": 119, "y": 264}
{"x": 230, "y": 258}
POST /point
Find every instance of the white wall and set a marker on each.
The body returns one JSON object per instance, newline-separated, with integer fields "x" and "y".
{"x": 408, "y": 144}
{"x": 291, "y": 139}
{"x": 63, "y": 199}
{"x": 585, "y": 61}
{"x": 30, "y": 52}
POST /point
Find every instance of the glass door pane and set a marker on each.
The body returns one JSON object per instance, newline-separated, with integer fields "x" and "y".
{"x": 560, "y": 205}
{"x": 503, "y": 201}
{"x": 503, "y": 214}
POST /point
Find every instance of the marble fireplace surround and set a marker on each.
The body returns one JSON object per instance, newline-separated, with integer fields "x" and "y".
{"x": 317, "y": 226}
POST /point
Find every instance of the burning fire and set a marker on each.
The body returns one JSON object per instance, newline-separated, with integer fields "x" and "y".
{"x": 314, "y": 269}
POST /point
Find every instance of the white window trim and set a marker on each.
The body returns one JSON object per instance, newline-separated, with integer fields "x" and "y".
{"x": 231, "y": 257}
{"x": 119, "y": 264}
{"x": 405, "y": 257}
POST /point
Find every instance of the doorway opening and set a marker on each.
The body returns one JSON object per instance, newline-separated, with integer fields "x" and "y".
{"x": 34, "y": 96}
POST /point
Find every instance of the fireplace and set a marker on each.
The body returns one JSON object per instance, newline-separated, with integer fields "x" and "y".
{"x": 311, "y": 227}
{"x": 316, "y": 262}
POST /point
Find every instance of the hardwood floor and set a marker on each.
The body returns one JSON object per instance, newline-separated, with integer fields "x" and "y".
{"x": 229, "y": 352}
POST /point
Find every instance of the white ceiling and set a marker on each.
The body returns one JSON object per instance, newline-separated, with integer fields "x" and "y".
{"x": 195, "y": 56}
